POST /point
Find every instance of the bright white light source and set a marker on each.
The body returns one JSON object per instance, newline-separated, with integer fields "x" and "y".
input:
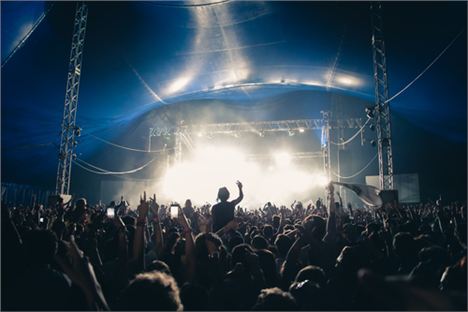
{"x": 312, "y": 83}
{"x": 178, "y": 84}
{"x": 210, "y": 167}
{"x": 301, "y": 130}
{"x": 320, "y": 179}
{"x": 348, "y": 80}
{"x": 200, "y": 134}
{"x": 282, "y": 158}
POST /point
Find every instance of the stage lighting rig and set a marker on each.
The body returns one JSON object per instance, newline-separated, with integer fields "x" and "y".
{"x": 370, "y": 112}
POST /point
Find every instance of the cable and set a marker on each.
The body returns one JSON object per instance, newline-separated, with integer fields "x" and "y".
{"x": 92, "y": 166}
{"x": 21, "y": 43}
{"x": 357, "y": 173}
{"x": 354, "y": 136}
{"x": 106, "y": 172}
{"x": 128, "y": 148}
{"x": 87, "y": 169}
{"x": 427, "y": 68}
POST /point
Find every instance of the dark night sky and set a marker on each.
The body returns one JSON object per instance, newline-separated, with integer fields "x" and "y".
{"x": 181, "y": 52}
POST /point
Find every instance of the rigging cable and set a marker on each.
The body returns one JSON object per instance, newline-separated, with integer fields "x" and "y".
{"x": 427, "y": 68}
{"x": 128, "y": 148}
{"x": 357, "y": 173}
{"x": 354, "y": 136}
{"x": 106, "y": 172}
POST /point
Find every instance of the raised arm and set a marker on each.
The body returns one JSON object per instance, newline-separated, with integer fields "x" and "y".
{"x": 330, "y": 236}
{"x": 189, "y": 245}
{"x": 241, "y": 194}
{"x": 81, "y": 272}
{"x": 157, "y": 235}
{"x": 139, "y": 239}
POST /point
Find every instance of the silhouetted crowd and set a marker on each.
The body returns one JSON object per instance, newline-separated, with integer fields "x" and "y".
{"x": 323, "y": 256}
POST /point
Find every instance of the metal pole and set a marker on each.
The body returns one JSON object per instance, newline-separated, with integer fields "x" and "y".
{"x": 382, "y": 109}
{"x": 69, "y": 129}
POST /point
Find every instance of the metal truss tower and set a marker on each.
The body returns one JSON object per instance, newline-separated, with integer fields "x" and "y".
{"x": 69, "y": 130}
{"x": 382, "y": 109}
{"x": 325, "y": 144}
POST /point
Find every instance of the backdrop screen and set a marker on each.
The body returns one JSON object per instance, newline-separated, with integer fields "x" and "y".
{"x": 406, "y": 184}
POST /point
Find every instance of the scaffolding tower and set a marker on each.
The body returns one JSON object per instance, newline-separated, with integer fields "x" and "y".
{"x": 70, "y": 130}
{"x": 382, "y": 110}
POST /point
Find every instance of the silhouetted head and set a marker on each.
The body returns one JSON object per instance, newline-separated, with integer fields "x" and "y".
{"x": 153, "y": 291}
{"x": 194, "y": 297}
{"x": 160, "y": 266}
{"x": 404, "y": 245}
{"x": 267, "y": 263}
{"x": 259, "y": 242}
{"x": 314, "y": 227}
{"x": 274, "y": 299}
{"x": 223, "y": 194}
{"x": 312, "y": 273}
{"x": 207, "y": 244}
{"x": 268, "y": 231}
{"x": 283, "y": 243}
{"x": 81, "y": 203}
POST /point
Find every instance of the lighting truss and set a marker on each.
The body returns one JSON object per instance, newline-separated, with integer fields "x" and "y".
{"x": 69, "y": 130}
{"x": 183, "y": 133}
{"x": 257, "y": 127}
{"x": 382, "y": 109}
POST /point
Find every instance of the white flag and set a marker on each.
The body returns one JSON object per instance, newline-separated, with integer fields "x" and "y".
{"x": 367, "y": 193}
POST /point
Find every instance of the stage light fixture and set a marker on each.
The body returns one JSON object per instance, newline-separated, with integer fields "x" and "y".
{"x": 369, "y": 112}
{"x": 301, "y": 130}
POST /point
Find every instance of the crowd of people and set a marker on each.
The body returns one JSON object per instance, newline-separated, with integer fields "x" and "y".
{"x": 323, "y": 256}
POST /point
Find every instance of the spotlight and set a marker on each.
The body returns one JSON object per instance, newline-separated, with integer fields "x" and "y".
{"x": 200, "y": 134}
{"x": 369, "y": 112}
{"x": 301, "y": 130}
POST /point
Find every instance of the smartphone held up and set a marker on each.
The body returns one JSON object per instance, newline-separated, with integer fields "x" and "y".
{"x": 174, "y": 211}
{"x": 110, "y": 213}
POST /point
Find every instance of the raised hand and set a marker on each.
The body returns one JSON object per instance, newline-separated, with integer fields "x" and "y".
{"x": 202, "y": 222}
{"x": 143, "y": 208}
{"x": 154, "y": 206}
{"x": 183, "y": 220}
{"x": 81, "y": 272}
{"x": 239, "y": 184}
